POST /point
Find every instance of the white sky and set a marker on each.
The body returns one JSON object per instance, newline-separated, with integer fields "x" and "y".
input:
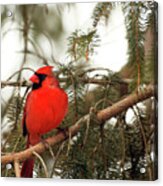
{"x": 112, "y": 52}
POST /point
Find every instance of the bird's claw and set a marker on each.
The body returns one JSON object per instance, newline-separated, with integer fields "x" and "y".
{"x": 63, "y": 130}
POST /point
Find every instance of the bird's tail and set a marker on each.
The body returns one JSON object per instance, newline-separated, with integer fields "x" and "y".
{"x": 27, "y": 168}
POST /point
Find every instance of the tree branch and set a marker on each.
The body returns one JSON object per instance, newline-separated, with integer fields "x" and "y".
{"x": 62, "y": 80}
{"x": 125, "y": 103}
{"x": 15, "y": 84}
{"x": 102, "y": 115}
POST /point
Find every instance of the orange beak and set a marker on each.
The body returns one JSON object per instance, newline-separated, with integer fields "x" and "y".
{"x": 34, "y": 79}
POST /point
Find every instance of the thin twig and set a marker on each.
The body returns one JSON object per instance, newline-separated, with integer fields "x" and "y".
{"x": 141, "y": 127}
{"x": 69, "y": 142}
{"x": 35, "y": 54}
{"x": 123, "y": 145}
{"x": 87, "y": 126}
{"x": 42, "y": 162}
{"x": 17, "y": 168}
{"x": 144, "y": 139}
{"x": 75, "y": 95}
{"x": 25, "y": 68}
{"x": 56, "y": 158}
{"x": 17, "y": 142}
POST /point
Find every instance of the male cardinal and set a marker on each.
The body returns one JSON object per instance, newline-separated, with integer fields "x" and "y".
{"x": 45, "y": 108}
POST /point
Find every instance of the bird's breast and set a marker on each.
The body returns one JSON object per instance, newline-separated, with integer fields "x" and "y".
{"x": 46, "y": 109}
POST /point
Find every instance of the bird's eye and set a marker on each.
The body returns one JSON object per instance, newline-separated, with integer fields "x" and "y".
{"x": 41, "y": 76}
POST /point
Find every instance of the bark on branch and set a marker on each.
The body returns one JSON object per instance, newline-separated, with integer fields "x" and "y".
{"x": 102, "y": 115}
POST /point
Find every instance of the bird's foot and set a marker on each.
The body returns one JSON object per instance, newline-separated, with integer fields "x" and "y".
{"x": 63, "y": 130}
{"x": 45, "y": 143}
{"x": 47, "y": 146}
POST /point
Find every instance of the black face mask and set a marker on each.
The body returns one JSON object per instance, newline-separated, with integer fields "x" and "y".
{"x": 41, "y": 79}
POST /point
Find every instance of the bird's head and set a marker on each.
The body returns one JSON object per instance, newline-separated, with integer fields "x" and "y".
{"x": 41, "y": 75}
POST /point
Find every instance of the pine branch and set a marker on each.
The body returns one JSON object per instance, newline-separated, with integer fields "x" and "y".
{"x": 102, "y": 10}
{"x": 135, "y": 20}
{"x": 102, "y": 115}
{"x": 82, "y": 44}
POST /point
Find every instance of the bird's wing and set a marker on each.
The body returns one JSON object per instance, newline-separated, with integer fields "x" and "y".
{"x": 24, "y": 126}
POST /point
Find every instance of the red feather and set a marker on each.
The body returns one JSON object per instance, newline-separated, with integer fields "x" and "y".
{"x": 45, "y": 108}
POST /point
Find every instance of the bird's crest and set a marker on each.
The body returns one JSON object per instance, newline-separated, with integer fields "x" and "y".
{"x": 47, "y": 70}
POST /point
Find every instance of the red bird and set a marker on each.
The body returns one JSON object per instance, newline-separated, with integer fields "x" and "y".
{"x": 45, "y": 108}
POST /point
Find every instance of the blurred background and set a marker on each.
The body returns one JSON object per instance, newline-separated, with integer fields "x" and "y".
{"x": 101, "y": 53}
